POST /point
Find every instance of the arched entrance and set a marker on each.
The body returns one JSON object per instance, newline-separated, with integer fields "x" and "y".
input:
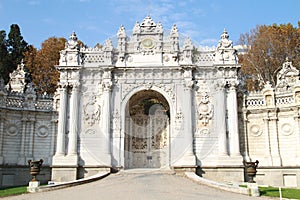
{"x": 147, "y": 132}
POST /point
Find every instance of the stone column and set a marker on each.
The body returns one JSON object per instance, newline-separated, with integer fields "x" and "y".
{"x": 297, "y": 131}
{"x": 60, "y": 144}
{"x": 1, "y": 136}
{"x": 188, "y": 159}
{"x": 275, "y": 151}
{"x": 267, "y": 141}
{"x": 31, "y": 138}
{"x": 21, "y": 159}
{"x": 72, "y": 145}
{"x": 234, "y": 143}
{"x": 106, "y": 116}
{"x": 221, "y": 118}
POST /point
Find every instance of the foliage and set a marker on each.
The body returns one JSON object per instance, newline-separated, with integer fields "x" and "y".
{"x": 41, "y": 64}
{"x": 289, "y": 193}
{"x": 11, "y": 51}
{"x": 269, "y": 47}
{"x": 13, "y": 191}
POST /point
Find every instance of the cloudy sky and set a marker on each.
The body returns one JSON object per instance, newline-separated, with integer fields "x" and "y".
{"x": 96, "y": 20}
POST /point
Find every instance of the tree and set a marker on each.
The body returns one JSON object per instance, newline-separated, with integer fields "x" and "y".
{"x": 3, "y": 53}
{"x": 41, "y": 64}
{"x": 269, "y": 47}
{"x": 16, "y": 46}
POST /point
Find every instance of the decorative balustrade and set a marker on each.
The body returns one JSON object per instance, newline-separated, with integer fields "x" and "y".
{"x": 255, "y": 102}
{"x": 202, "y": 58}
{"x": 18, "y": 102}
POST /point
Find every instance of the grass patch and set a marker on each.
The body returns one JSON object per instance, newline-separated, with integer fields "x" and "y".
{"x": 13, "y": 191}
{"x": 289, "y": 193}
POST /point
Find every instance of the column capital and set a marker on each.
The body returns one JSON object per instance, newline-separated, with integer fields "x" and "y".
{"x": 220, "y": 85}
{"x": 232, "y": 84}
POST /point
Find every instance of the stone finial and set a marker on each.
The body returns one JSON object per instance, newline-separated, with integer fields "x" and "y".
{"x": 224, "y": 42}
{"x": 188, "y": 45}
{"x": 159, "y": 28}
{"x": 287, "y": 76}
{"x": 136, "y": 28}
{"x": 122, "y": 32}
{"x": 18, "y": 78}
{"x": 108, "y": 46}
{"x": 225, "y": 51}
{"x": 174, "y": 31}
{"x": 72, "y": 43}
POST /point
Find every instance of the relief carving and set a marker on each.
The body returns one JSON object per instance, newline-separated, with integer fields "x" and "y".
{"x": 91, "y": 111}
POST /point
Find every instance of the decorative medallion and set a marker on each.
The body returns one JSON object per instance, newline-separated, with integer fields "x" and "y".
{"x": 148, "y": 43}
{"x": 43, "y": 131}
{"x": 255, "y": 130}
{"x": 12, "y": 130}
{"x": 287, "y": 129}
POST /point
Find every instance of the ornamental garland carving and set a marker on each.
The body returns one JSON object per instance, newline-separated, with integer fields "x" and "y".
{"x": 91, "y": 111}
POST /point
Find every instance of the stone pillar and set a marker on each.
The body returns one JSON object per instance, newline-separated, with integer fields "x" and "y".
{"x": 267, "y": 141}
{"x": 297, "y": 131}
{"x": 21, "y": 158}
{"x": 29, "y": 155}
{"x": 1, "y": 136}
{"x": 275, "y": 152}
{"x": 60, "y": 144}
{"x": 106, "y": 116}
{"x": 221, "y": 118}
{"x": 72, "y": 145}
{"x": 234, "y": 143}
{"x": 188, "y": 159}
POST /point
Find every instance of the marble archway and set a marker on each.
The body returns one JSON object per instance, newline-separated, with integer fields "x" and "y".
{"x": 147, "y": 132}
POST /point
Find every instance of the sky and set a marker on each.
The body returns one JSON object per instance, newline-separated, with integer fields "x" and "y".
{"x": 94, "y": 21}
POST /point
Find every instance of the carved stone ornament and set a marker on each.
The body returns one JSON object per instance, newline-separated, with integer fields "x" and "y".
{"x": 255, "y": 130}
{"x": 205, "y": 109}
{"x": 91, "y": 111}
{"x": 225, "y": 50}
{"x": 72, "y": 43}
{"x": 286, "y": 129}
{"x": 287, "y": 76}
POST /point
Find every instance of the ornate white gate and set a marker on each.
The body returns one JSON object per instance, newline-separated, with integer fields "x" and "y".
{"x": 147, "y": 139}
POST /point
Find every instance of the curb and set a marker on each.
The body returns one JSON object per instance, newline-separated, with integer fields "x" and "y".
{"x": 73, "y": 183}
{"x": 217, "y": 185}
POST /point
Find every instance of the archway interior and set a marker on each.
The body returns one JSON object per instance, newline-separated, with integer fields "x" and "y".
{"x": 147, "y": 130}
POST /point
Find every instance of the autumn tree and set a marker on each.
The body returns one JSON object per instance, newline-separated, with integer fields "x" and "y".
{"x": 11, "y": 51}
{"x": 41, "y": 64}
{"x": 269, "y": 46}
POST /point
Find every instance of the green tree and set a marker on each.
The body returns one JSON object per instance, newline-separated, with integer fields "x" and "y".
{"x": 16, "y": 47}
{"x": 269, "y": 47}
{"x": 3, "y": 53}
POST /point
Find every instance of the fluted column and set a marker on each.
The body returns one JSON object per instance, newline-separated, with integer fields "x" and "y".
{"x": 60, "y": 145}
{"x": 233, "y": 120}
{"x": 106, "y": 84}
{"x": 72, "y": 145}
{"x": 221, "y": 118}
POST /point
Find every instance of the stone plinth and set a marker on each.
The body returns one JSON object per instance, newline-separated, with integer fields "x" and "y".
{"x": 33, "y": 186}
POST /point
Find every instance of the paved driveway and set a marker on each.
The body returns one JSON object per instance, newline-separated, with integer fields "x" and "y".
{"x": 137, "y": 186}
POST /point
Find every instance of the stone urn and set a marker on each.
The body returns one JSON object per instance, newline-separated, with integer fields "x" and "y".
{"x": 251, "y": 170}
{"x": 35, "y": 167}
